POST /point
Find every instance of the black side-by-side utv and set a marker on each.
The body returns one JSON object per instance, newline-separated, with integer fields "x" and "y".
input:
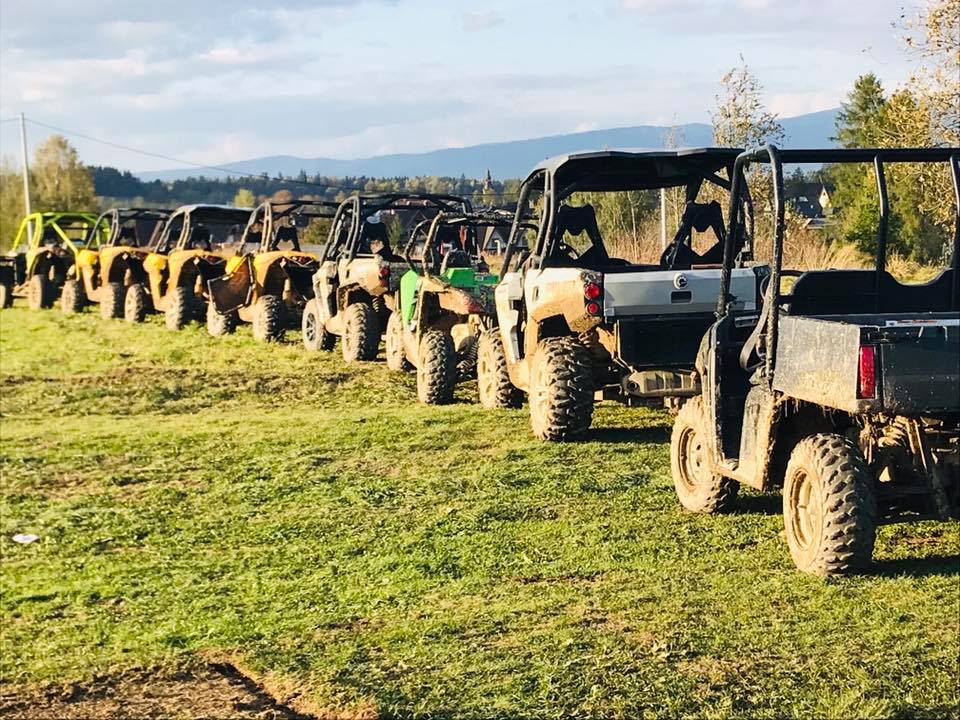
{"x": 843, "y": 391}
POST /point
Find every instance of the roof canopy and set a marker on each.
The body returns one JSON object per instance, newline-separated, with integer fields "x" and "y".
{"x": 634, "y": 169}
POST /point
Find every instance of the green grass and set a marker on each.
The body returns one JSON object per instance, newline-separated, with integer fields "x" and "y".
{"x": 198, "y": 495}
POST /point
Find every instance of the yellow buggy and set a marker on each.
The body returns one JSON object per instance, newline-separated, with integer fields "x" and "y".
{"x": 44, "y": 257}
{"x": 270, "y": 285}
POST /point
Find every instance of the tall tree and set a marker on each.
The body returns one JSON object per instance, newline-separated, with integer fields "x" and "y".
{"x": 859, "y": 115}
{"x": 59, "y": 180}
{"x": 741, "y": 119}
{"x": 11, "y": 202}
{"x": 244, "y": 198}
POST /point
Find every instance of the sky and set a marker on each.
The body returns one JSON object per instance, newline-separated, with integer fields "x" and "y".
{"x": 214, "y": 81}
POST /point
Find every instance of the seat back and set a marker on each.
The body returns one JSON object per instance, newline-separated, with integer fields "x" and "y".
{"x": 854, "y": 292}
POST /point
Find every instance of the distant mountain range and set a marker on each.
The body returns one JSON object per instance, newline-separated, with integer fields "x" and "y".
{"x": 505, "y": 159}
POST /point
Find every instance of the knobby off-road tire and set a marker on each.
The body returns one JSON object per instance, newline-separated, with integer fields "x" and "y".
{"x": 396, "y": 355}
{"x": 493, "y": 377}
{"x": 437, "y": 368}
{"x": 112, "y": 301}
{"x": 315, "y": 336}
{"x": 136, "y": 304}
{"x": 561, "y": 389}
{"x": 40, "y": 293}
{"x": 361, "y": 333}
{"x": 829, "y": 507}
{"x": 268, "y": 319}
{"x": 72, "y": 299}
{"x": 6, "y": 295}
{"x": 698, "y": 490}
{"x": 219, "y": 324}
{"x": 181, "y": 308}
{"x": 467, "y": 359}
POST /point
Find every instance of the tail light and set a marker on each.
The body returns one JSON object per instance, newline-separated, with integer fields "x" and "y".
{"x": 867, "y": 372}
{"x": 593, "y": 292}
{"x": 385, "y": 274}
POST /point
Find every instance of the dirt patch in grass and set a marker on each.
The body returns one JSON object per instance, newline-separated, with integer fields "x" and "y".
{"x": 216, "y": 691}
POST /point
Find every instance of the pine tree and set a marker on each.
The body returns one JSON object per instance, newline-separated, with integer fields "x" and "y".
{"x": 857, "y": 119}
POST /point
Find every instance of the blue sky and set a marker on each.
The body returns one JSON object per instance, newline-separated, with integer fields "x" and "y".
{"x": 220, "y": 80}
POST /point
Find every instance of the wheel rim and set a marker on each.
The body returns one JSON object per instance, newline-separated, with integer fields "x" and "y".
{"x": 540, "y": 395}
{"x": 691, "y": 459}
{"x": 804, "y": 505}
{"x": 393, "y": 341}
{"x": 485, "y": 380}
{"x": 348, "y": 340}
{"x": 310, "y": 327}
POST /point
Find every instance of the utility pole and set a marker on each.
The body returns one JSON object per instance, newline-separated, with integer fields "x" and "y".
{"x": 26, "y": 175}
{"x": 663, "y": 218}
{"x": 26, "y": 169}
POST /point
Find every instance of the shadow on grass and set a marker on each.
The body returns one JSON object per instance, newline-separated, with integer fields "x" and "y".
{"x": 651, "y": 435}
{"x": 944, "y": 565}
{"x": 766, "y": 504}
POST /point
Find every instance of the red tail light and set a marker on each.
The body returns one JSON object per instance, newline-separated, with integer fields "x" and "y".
{"x": 593, "y": 308}
{"x": 385, "y": 271}
{"x": 592, "y": 291}
{"x": 867, "y": 372}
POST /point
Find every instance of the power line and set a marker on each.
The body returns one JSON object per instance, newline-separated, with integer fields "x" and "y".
{"x": 214, "y": 168}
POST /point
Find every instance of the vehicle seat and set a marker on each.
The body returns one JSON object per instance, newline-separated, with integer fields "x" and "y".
{"x": 679, "y": 255}
{"x": 288, "y": 234}
{"x": 833, "y": 292}
{"x": 576, "y": 220}
{"x": 199, "y": 238}
{"x": 454, "y": 258}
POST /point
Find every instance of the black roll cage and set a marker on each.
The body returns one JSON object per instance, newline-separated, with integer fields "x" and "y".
{"x": 361, "y": 206}
{"x": 163, "y": 239}
{"x": 471, "y": 221}
{"x": 115, "y": 217}
{"x": 776, "y": 158}
{"x": 270, "y": 214}
{"x": 555, "y": 193}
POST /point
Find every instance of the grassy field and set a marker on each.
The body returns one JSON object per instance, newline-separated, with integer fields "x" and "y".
{"x": 200, "y": 497}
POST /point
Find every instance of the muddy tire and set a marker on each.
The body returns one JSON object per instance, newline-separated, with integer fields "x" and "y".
{"x": 561, "y": 389}
{"x": 268, "y": 319}
{"x": 72, "y": 298}
{"x": 396, "y": 355}
{"x": 136, "y": 304}
{"x": 493, "y": 378}
{"x": 40, "y": 293}
{"x": 6, "y": 296}
{"x": 467, "y": 359}
{"x": 437, "y": 368}
{"x": 361, "y": 333}
{"x": 181, "y": 308}
{"x": 315, "y": 336}
{"x": 112, "y": 301}
{"x": 219, "y": 324}
{"x": 698, "y": 490}
{"x": 829, "y": 508}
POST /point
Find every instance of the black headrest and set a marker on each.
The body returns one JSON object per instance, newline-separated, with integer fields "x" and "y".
{"x": 576, "y": 219}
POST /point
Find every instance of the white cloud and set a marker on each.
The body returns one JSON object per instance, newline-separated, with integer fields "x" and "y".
{"x": 474, "y": 21}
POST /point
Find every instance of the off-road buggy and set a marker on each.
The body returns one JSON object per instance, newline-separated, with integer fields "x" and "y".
{"x": 112, "y": 260}
{"x": 576, "y": 323}
{"x": 44, "y": 257}
{"x": 843, "y": 392}
{"x": 360, "y": 273}
{"x": 269, "y": 285}
{"x": 445, "y": 302}
{"x": 193, "y": 248}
